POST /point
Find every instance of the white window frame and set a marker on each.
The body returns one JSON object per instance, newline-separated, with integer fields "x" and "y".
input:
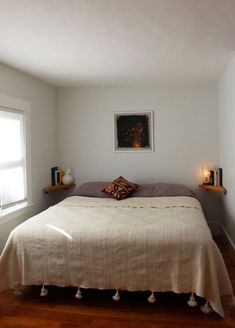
{"x": 12, "y": 103}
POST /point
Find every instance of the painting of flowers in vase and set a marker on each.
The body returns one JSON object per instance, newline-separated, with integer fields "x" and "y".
{"x": 133, "y": 131}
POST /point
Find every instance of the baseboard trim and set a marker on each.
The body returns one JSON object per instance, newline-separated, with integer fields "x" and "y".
{"x": 227, "y": 236}
{"x": 230, "y": 244}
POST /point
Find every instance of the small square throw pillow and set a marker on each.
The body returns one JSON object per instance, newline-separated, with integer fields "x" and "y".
{"x": 120, "y": 188}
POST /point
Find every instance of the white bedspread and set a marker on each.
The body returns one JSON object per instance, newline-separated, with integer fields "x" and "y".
{"x": 137, "y": 244}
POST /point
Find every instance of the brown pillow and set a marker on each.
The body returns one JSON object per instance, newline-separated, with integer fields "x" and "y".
{"x": 162, "y": 189}
{"x": 93, "y": 189}
{"x": 120, "y": 188}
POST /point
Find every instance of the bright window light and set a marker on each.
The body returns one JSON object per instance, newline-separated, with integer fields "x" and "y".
{"x": 13, "y": 188}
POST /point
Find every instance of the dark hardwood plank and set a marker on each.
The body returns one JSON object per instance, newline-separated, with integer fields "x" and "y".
{"x": 60, "y": 309}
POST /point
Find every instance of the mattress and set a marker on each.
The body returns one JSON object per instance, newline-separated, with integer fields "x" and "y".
{"x": 152, "y": 244}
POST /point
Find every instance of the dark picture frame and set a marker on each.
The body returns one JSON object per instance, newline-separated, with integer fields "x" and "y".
{"x": 133, "y": 131}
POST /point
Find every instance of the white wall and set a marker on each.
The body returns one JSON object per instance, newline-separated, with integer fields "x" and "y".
{"x": 185, "y": 135}
{"x": 43, "y": 101}
{"x": 185, "y": 132}
{"x": 226, "y": 106}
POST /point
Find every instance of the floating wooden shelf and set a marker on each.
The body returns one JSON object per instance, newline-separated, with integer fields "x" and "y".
{"x": 213, "y": 188}
{"x": 58, "y": 187}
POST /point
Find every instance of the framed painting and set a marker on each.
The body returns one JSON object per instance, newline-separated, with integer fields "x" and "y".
{"x": 133, "y": 131}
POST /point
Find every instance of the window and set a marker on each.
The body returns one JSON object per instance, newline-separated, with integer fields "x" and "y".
{"x": 14, "y": 155}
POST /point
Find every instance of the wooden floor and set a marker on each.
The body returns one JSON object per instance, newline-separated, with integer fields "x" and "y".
{"x": 59, "y": 309}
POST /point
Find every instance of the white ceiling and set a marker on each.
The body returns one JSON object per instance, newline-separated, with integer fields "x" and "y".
{"x": 75, "y": 42}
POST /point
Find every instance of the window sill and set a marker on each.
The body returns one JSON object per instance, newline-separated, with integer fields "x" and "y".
{"x": 14, "y": 212}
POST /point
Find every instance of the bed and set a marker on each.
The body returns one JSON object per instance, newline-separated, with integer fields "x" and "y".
{"x": 154, "y": 241}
